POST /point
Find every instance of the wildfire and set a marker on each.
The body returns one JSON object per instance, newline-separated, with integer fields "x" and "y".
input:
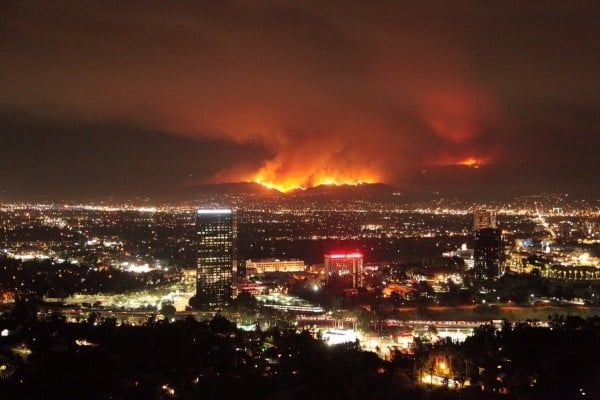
{"x": 472, "y": 162}
{"x": 288, "y": 176}
{"x": 282, "y": 187}
{"x": 286, "y": 186}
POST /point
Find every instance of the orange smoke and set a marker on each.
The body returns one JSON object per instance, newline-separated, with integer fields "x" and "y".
{"x": 451, "y": 117}
{"x": 457, "y": 116}
{"x": 317, "y": 97}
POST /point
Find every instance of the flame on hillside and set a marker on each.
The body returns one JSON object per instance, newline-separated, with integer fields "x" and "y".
{"x": 286, "y": 186}
{"x": 471, "y": 161}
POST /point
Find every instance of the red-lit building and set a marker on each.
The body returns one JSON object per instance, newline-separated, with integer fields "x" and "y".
{"x": 346, "y": 267}
{"x": 254, "y": 288}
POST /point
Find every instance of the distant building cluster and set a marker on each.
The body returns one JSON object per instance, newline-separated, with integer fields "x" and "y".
{"x": 156, "y": 246}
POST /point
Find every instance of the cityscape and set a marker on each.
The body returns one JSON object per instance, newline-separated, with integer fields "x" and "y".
{"x": 406, "y": 293}
{"x": 290, "y": 200}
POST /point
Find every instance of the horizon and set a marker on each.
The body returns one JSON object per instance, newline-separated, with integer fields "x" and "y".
{"x": 224, "y": 194}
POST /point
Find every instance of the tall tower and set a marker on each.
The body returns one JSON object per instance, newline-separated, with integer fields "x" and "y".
{"x": 483, "y": 219}
{"x": 488, "y": 253}
{"x": 217, "y": 235}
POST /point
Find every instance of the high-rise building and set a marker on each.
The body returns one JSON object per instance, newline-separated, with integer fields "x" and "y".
{"x": 484, "y": 219}
{"x": 346, "y": 267}
{"x": 217, "y": 234}
{"x": 488, "y": 253}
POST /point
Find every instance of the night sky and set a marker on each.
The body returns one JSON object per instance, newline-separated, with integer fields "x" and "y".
{"x": 124, "y": 99}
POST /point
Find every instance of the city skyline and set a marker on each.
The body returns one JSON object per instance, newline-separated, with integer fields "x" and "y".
{"x": 106, "y": 100}
{"x": 420, "y": 294}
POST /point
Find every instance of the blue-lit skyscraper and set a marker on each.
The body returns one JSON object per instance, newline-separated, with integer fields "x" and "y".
{"x": 216, "y": 257}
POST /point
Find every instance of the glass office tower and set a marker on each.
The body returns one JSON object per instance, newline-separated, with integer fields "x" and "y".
{"x": 216, "y": 257}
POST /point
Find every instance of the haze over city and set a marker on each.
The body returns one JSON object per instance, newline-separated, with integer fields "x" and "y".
{"x": 105, "y": 100}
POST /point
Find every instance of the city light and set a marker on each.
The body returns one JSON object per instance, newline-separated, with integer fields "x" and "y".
{"x": 339, "y": 336}
{"x": 214, "y": 211}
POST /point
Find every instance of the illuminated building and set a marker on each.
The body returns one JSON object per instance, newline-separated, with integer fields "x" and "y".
{"x": 483, "y": 219}
{"x": 274, "y": 265}
{"x": 572, "y": 273}
{"x": 463, "y": 253}
{"x": 347, "y": 267}
{"x": 244, "y": 285}
{"x": 216, "y": 256}
{"x": 400, "y": 290}
{"x": 488, "y": 253}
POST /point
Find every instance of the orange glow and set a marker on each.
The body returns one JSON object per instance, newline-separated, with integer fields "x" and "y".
{"x": 282, "y": 187}
{"x": 286, "y": 186}
{"x": 457, "y": 115}
{"x": 471, "y": 161}
{"x": 284, "y": 179}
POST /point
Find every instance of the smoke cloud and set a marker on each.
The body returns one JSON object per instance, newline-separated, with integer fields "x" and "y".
{"x": 340, "y": 91}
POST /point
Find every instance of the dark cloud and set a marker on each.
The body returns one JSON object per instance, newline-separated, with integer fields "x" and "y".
{"x": 313, "y": 90}
{"x": 44, "y": 161}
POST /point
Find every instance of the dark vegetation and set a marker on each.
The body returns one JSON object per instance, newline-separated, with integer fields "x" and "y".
{"x": 212, "y": 359}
